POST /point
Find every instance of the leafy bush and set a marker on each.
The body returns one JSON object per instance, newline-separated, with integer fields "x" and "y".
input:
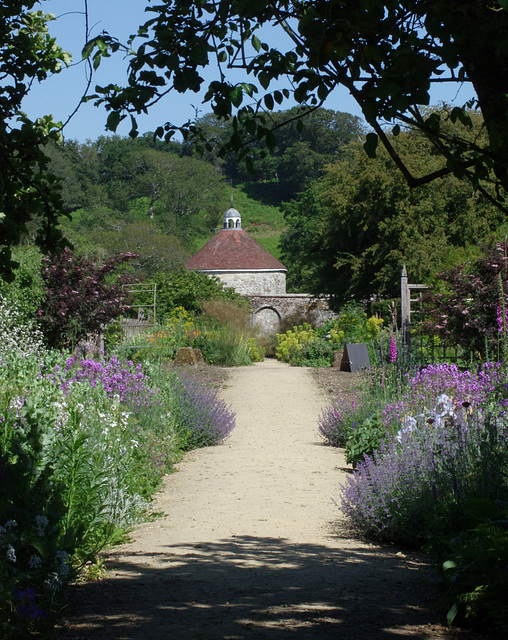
{"x": 256, "y": 350}
{"x": 26, "y": 291}
{"x": 476, "y": 570}
{"x": 225, "y": 347}
{"x": 465, "y": 311}
{"x": 187, "y": 289}
{"x": 366, "y": 437}
{"x": 353, "y": 326}
{"x": 81, "y": 297}
{"x": 293, "y": 340}
{"x": 226, "y": 338}
{"x": 317, "y": 353}
{"x": 305, "y": 346}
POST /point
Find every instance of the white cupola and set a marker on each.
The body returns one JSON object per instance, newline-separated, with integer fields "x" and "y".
{"x": 232, "y": 218}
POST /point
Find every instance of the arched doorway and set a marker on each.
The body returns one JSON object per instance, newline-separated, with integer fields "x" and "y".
{"x": 267, "y": 319}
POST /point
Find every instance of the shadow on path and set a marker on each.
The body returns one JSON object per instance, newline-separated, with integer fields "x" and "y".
{"x": 257, "y": 587}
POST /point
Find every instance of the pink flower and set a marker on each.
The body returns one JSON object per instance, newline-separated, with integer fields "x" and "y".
{"x": 500, "y": 319}
{"x": 393, "y": 349}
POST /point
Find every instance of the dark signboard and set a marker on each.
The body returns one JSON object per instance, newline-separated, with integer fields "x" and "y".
{"x": 355, "y": 357}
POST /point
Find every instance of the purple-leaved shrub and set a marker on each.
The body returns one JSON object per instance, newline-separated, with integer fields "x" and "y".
{"x": 202, "y": 418}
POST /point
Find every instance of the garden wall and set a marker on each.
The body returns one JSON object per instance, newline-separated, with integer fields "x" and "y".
{"x": 269, "y": 311}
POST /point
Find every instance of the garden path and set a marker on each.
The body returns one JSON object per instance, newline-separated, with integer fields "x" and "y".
{"x": 252, "y": 544}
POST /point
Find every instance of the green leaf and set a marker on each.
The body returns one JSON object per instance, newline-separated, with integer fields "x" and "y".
{"x": 113, "y": 120}
{"x": 256, "y": 43}
{"x": 396, "y": 130}
{"x": 87, "y": 49}
{"x": 270, "y": 140}
{"x": 451, "y": 615}
{"x": 370, "y": 145}
{"x": 269, "y": 104}
{"x": 236, "y": 96}
{"x": 264, "y": 79}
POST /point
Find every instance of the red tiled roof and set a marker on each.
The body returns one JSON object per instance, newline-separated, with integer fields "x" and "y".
{"x": 233, "y": 249}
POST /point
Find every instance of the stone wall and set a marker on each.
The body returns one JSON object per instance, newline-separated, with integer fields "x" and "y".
{"x": 269, "y": 311}
{"x": 252, "y": 282}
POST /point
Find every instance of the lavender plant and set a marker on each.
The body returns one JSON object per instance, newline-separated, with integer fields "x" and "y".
{"x": 203, "y": 419}
{"x": 337, "y": 421}
{"x": 412, "y": 489}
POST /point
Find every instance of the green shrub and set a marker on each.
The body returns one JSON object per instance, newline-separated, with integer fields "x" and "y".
{"x": 316, "y": 353}
{"x": 226, "y": 337}
{"x": 187, "y": 289}
{"x": 476, "y": 570}
{"x": 226, "y": 348}
{"x": 293, "y": 340}
{"x": 365, "y": 438}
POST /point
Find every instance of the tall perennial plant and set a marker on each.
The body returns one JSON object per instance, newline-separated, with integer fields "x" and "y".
{"x": 448, "y": 432}
{"x": 84, "y": 442}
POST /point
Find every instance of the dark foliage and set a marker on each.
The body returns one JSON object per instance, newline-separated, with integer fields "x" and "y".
{"x": 82, "y": 296}
{"x": 467, "y": 313}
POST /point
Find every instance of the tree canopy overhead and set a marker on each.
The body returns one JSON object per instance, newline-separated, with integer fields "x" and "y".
{"x": 386, "y": 53}
{"x": 28, "y": 193}
{"x": 351, "y": 232}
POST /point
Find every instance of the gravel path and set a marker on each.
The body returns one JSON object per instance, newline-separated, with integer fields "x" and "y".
{"x": 252, "y": 546}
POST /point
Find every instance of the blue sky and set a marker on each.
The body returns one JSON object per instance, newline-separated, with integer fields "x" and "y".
{"x": 61, "y": 94}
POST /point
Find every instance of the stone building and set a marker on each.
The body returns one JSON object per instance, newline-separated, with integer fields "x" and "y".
{"x": 239, "y": 261}
{"x": 233, "y": 256}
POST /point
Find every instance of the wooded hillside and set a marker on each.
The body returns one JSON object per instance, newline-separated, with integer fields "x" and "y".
{"x": 343, "y": 223}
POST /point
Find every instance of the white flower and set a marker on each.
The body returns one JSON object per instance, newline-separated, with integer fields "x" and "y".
{"x": 409, "y": 425}
{"x": 11, "y": 553}
{"x": 445, "y": 403}
{"x": 34, "y": 562}
{"x": 53, "y": 582}
{"x": 444, "y": 409}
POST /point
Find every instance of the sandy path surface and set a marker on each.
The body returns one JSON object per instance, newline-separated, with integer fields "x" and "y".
{"x": 251, "y": 543}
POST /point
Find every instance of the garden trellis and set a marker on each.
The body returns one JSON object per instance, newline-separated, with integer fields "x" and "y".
{"x": 427, "y": 349}
{"x": 405, "y": 302}
{"x": 146, "y": 291}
